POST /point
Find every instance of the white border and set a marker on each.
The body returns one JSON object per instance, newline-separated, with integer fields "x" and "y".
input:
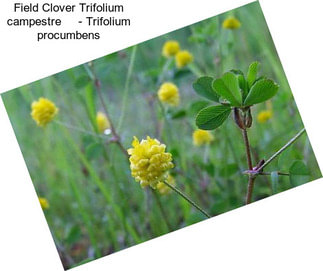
{"x": 283, "y": 232}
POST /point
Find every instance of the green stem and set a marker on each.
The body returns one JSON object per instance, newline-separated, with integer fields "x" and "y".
{"x": 126, "y": 90}
{"x": 251, "y": 179}
{"x": 195, "y": 70}
{"x": 290, "y": 142}
{"x": 187, "y": 198}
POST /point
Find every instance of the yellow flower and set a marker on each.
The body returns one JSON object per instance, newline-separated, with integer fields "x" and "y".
{"x": 201, "y": 137}
{"x": 43, "y": 203}
{"x": 231, "y": 23}
{"x": 264, "y": 116}
{"x": 170, "y": 48}
{"x": 43, "y": 111}
{"x": 183, "y": 58}
{"x": 168, "y": 93}
{"x": 102, "y": 122}
{"x": 149, "y": 163}
{"x": 163, "y": 188}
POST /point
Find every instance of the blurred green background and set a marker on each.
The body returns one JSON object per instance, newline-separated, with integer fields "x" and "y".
{"x": 95, "y": 206}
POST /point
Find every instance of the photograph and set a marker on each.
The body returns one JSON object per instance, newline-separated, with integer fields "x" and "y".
{"x": 161, "y": 135}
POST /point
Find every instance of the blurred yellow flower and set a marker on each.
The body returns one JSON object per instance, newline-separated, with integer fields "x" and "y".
{"x": 43, "y": 203}
{"x": 43, "y": 111}
{"x": 168, "y": 93}
{"x": 183, "y": 58}
{"x": 163, "y": 189}
{"x": 231, "y": 23}
{"x": 102, "y": 122}
{"x": 264, "y": 116}
{"x": 149, "y": 163}
{"x": 170, "y": 48}
{"x": 201, "y": 137}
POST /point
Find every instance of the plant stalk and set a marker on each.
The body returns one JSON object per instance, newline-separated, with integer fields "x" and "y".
{"x": 251, "y": 180}
{"x": 187, "y": 198}
{"x": 290, "y": 142}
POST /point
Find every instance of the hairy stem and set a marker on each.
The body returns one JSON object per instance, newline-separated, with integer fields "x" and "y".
{"x": 290, "y": 142}
{"x": 187, "y": 198}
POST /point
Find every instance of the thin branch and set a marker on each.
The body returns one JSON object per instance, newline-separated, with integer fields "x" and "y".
{"x": 290, "y": 142}
{"x": 269, "y": 173}
{"x": 186, "y": 198}
{"x": 126, "y": 89}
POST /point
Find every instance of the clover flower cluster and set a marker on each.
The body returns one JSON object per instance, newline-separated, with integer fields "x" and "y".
{"x": 231, "y": 23}
{"x": 43, "y": 203}
{"x": 168, "y": 93}
{"x": 43, "y": 111}
{"x": 172, "y": 48}
{"x": 202, "y": 137}
{"x": 149, "y": 162}
{"x": 264, "y": 116}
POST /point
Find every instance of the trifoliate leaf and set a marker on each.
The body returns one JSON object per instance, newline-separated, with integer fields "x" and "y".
{"x": 242, "y": 82}
{"x": 212, "y": 117}
{"x": 228, "y": 88}
{"x": 203, "y": 87}
{"x": 261, "y": 91}
{"x": 299, "y": 173}
{"x": 252, "y": 73}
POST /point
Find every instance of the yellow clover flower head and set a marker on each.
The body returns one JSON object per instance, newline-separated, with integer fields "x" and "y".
{"x": 170, "y": 48}
{"x": 201, "y": 137}
{"x": 264, "y": 116}
{"x": 231, "y": 23}
{"x": 102, "y": 122}
{"x": 163, "y": 189}
{"x": 168, "y": 93}
{"x": 43, "y": 203}
{"x": 43, "y": 111}
{"x": 183, "y": 58}
{"x": 149, "y": 163}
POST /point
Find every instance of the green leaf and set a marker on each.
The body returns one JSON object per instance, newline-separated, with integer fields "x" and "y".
{"x": 261, "y": 91}
{"x": 212, "y": 117}
{"x": 179, "y": 114}
{"x": 203, "y": 87}
{"x": 242, "y": 82}
{"x": 228, "y": 88}
{"x": 299, "y": 173}
{"x": 274, "y": 181}
{"x": 252, "y": 73}
{"x": 197, "y": 106}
